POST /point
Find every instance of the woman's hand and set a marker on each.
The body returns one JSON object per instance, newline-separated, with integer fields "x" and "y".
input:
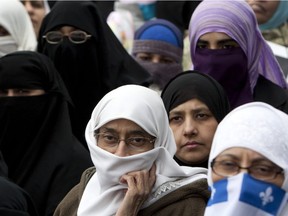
{"x": 140, "y": 184}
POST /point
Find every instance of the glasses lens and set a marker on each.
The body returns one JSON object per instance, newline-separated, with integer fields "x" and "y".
{"x": 54, "y": 37}
{"x": 225, "y": 168}
{"x": 78, "y": 36}
{"x": 263, "y": 172}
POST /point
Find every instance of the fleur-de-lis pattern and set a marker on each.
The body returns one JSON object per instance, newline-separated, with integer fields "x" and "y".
{"x": 266, "y": 196}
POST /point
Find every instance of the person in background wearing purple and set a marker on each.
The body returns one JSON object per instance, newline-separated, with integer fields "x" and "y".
{"x": 226, "y": 43}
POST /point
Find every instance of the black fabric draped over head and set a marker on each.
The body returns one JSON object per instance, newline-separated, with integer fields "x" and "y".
{"x": 14, "y": 201}
{"x": 193, "y": 84}
{"x": 41, "y": 152}
{"x": 93, "y": 68}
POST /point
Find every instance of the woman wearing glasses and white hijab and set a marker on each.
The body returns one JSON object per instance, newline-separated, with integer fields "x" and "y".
{"x": 132, "y": 148}
{"x": 248, "y": 164}
{"x": 87, "y": 54}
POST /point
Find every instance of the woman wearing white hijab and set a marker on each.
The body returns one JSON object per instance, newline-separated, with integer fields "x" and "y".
{"x": 17, "y": 27}
{"x": 167, "y": 189}
{"x": 248, "y": 164}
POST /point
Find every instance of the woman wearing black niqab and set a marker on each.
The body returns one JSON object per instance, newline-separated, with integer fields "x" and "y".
{"x": 93, "y": 68}
{"x": 41, "y": 152}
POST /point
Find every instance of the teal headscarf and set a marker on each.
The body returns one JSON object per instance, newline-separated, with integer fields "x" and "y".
{"x": 280, "y": 16}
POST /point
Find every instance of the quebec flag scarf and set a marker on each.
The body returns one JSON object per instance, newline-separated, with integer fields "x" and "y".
{"x": 253, "y": 198}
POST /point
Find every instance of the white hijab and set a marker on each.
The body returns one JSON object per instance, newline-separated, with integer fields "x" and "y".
{"x": 103, "y": 193}
{"x": 15, "y": 19}
{"x": 256, "y": 126}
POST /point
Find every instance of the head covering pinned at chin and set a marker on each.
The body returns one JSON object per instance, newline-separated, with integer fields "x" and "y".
{"x": 160, "y": 37}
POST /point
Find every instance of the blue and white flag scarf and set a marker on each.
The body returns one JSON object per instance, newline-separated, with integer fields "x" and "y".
{"x": 253, "y": 198}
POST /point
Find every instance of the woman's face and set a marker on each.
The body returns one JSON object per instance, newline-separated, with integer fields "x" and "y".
{"x": 245, "y": 158}
{"x": 124, "y": 138}
{"x": 263, "y": 9}
{"x": 154, "y": 58}
{"x": 216, "y": 40}
{"x": 20, "y": 92}
{"x": 193, "y": 126}
{"x": 36, "y": 11}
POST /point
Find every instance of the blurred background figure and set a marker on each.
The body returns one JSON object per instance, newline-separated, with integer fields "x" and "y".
{"x": 179, "y": 13}
{"x": 121, "y": 23}
{"x": 141, "y": 10}
{"x": 88, "y": 55}
{"x": 42, "y": 154}
{"x": 37, "y": 9}
{"x": 158, "y": 47}
{"x": 16, "y": 29}
{"x": 248, "y": 164}
{"x": 272, "y": 17}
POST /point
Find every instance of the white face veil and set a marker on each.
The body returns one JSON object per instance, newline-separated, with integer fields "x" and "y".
{"x": 15, "y": 19}
{"x": 103, "y": 193}
{"x": 263, "y": 129}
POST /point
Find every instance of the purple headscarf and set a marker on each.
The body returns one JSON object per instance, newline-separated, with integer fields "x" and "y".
{"x": 237, "y": 20}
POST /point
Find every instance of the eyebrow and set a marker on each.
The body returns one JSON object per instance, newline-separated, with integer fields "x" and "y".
{"x": 112, "y": 130}
{"x": 219, "y": 41}
{"x": 257, "y": 160}
{"x": 197, "y": 110}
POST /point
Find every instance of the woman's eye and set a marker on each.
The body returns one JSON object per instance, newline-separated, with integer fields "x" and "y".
{"x": 175, "y": 119}
{"x": 230, "y": 45}
{"x": 227, "y": 164}
{"x": 109, "y": 138}
{"x": 202, "y": 116}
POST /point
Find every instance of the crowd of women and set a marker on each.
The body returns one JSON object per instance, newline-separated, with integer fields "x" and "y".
{"x": 102, "y": 114}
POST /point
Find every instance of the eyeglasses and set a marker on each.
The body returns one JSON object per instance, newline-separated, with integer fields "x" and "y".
{"x": 227, "y": 168}
{"x": 134, "y": 142}
{"x": 76, "y": 37}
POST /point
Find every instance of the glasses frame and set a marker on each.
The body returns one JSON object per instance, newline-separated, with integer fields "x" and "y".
{"x": 149, "y": 140}
{"x": 246, "y": 168}
{"x": 87, "y": 36}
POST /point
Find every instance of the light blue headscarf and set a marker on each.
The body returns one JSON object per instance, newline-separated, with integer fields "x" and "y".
{"x": 280, "y": 16}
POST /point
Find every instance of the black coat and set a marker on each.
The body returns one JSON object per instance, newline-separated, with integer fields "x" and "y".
{"x": 268, "y": 92}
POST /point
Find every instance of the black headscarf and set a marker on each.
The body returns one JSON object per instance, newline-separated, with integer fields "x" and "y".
{"x": 177, "y": 12}
{"x": 93, "y": 68}
{"x": 41, "y": 152}
{"x": 195, "y": 85}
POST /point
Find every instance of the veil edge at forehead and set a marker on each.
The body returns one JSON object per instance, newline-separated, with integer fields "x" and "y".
{"x": 256, "y": 126}
{"x": 127, "y": 102}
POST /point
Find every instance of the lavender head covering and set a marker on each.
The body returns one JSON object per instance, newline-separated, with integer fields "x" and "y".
{"x": 237, "y": 20}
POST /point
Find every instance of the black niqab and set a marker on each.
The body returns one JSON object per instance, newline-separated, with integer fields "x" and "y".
{"x": 92, "y": 69}
{"x": 41, "y": 152}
